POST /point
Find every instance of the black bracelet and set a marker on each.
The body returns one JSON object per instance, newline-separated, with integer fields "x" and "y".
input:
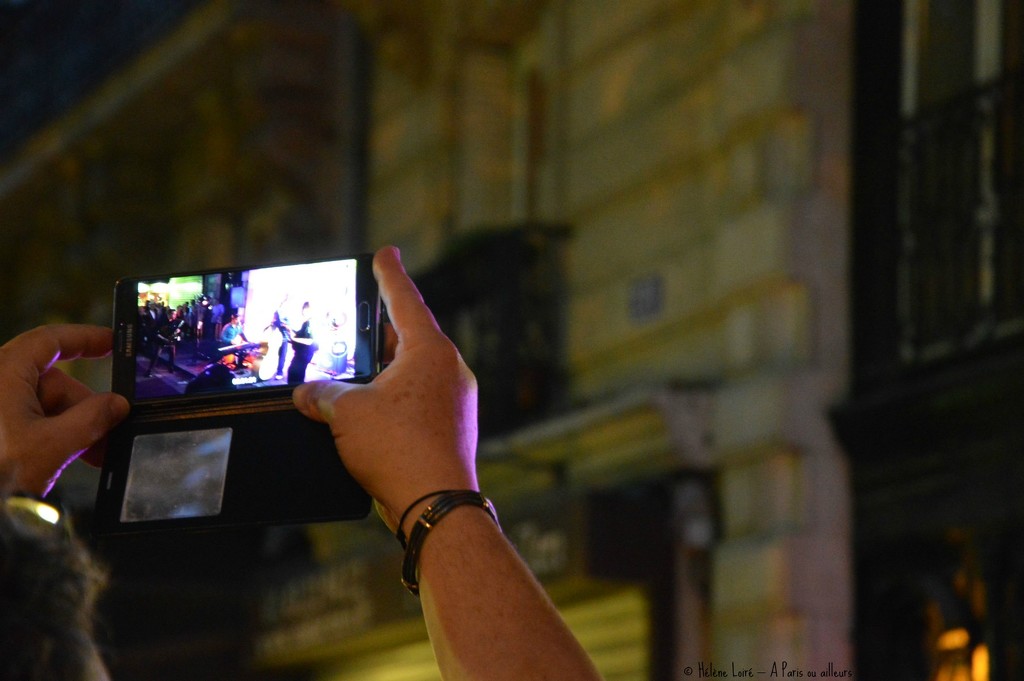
{"x": 447, "y": 502}
{"x": 399, "y": 535}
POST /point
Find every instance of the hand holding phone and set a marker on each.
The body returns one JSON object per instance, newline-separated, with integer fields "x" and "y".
{"x": 208, "y": 361}
{"x": 413, "y": 429}
{"x": 47, "y": 418}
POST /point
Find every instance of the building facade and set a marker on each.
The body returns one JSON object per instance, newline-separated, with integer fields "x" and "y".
{"x": 699, "y": 154}
{"x": 658, "y": 192}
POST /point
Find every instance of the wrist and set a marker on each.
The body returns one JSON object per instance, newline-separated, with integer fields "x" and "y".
{"x": 402, "y": 517}
{"x": 411, "y": 514}
{"x": 440, "y": 506}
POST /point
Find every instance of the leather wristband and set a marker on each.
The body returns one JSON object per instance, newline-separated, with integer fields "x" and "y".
{"x": 399, "y": 534}
{"x": 438, "y": 509}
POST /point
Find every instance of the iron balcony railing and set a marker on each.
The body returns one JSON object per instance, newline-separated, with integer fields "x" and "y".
{"x": 960, "y": 283}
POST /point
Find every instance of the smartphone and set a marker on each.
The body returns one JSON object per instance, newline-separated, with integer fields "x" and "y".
{"x": 208, "y": 361}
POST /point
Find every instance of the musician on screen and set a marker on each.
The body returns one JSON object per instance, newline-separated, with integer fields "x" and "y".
{"x": 278, "y": 336}
{"x": 304, "y": 346}
{"x": 167, "y": 332}
{"x": 232, "y": 334}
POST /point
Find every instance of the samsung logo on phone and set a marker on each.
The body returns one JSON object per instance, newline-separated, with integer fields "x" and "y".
{"x": 127, "y": 337}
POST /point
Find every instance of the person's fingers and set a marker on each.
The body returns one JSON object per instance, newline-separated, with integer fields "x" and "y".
{"x": 95, "y": 454}
{"x": 25, "y": 359}
{"x": 42, "y": 346}
{"x": 83, "y": 424}
{"x": 316, "y": 399}
{"x": 60, "y": 439}
{"x": 411, "y": 318}
{"x": 57, "y": 391}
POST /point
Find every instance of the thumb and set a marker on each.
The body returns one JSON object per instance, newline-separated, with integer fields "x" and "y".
{"x": 317, "y": 399}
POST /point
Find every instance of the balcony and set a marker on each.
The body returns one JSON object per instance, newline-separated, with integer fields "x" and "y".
{"x": 960, "y": 276}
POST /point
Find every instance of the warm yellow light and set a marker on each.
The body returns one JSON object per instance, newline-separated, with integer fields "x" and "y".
{"x": 979, "y": 663}
{"x": 954, "y": 639}
{"x": 40, "y": 509}
{"x": 48, "y": 513}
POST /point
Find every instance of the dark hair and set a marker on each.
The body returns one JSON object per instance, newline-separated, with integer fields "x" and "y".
{"x": 49, "y": 585}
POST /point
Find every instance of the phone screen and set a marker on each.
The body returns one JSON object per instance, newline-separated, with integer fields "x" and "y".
{"x": 241, "y": 330}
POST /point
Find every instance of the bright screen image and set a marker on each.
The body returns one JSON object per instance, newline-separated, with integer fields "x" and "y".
{"x": 245, "y": 329}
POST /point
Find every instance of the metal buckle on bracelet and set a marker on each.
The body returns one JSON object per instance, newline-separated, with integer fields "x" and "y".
{"x": 399, "y": 534}
{"x": 439, "y": 508}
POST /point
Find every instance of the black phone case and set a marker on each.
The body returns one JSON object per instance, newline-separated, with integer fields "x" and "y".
{"x": 281, "y": 467}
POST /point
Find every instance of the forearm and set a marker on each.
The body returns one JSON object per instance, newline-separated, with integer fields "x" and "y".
{"x": 487, "y": 616}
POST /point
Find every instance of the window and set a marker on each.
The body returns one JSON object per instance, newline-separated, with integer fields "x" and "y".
{"x": 939, "y": 162}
